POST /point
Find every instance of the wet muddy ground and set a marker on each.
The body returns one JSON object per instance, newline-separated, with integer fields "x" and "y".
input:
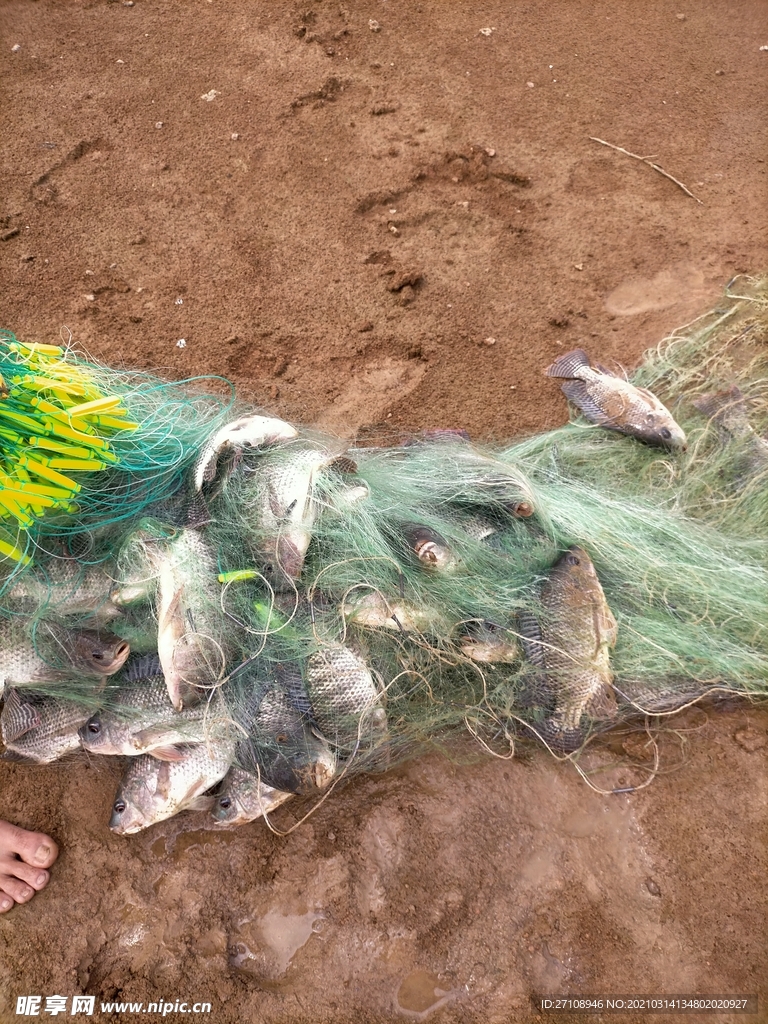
{"x": 377, "y": 218}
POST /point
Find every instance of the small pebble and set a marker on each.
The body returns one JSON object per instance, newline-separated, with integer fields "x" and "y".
{"x": 720, "y": 72}
{"x": 373, "y": 25}
{"x": 158, "y": 124}
{"x": 118, "y": 61}
{"x": 91, "y": 297}
{"x": 653, "y": 887}
{"x": 762, "y": 47}
{"x": 128, "y": 3}
{"x": 181, "y": 343}
{"x": 235, "y": 136}
{"x": 529, "y": 84}
{"x": 489, "y": 341}
{"x": 209, "y": 97}
{"x": 491, "y": 152}
{"x": 486, "y": 31}
{"x": 680, "y": 17}
{"x": 17, "y": 47}
{"x": 179, "y": 302}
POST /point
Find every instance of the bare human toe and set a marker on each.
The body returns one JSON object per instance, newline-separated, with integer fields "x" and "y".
{"x": 24, "y": 857}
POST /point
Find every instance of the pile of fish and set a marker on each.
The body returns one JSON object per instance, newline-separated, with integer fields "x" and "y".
{"x": 232, "y": 687}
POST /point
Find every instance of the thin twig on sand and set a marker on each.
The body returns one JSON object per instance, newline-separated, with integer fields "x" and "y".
{"x": 649, "y": 161}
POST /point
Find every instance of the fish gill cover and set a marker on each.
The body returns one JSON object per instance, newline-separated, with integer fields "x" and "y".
{"x": 299, "y": 611}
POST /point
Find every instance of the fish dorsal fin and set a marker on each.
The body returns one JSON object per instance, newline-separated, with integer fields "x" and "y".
{"x": 569, "y": 364}
{"x": 576, "y": 391}
{"x": 530, "y": 635}
{"x": 343, "y": 464}
{"x": 17, "y": 718}
{"x": 144, "y": 667}
{"x": 167, "y": 752}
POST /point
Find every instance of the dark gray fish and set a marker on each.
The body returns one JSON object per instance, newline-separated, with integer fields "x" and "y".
{"x": 729, "y": 410}
{"x": 244, "y": 797}
{"x": 282, "y": 746}
{"x": 40, "y": 729}
{"x": 431, "y": 550}
{"x": 569, "y": 647}
{"x": 346, "y": 703}
{"x": 614, "y": 403}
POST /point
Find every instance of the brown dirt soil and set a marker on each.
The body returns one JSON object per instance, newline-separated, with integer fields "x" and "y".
{"x": 340, "y": 217}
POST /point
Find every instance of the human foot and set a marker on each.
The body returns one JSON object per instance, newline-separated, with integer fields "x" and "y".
{"x": 24, "y": 857}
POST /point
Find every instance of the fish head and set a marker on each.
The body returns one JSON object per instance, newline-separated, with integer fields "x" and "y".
{"x": 657, "y": 426}
{"x": 243, "y": 798}
{"x": 99, "y": 655}
{"x": 429, "y": 547}
{"x": 290, "y": 550}
{"x": 128, "y": 816}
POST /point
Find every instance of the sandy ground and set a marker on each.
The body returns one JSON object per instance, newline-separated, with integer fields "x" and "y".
{"x": 377, "y": 217}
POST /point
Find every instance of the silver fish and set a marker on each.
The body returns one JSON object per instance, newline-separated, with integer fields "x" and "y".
{"x": 141, "y": 720}
{"x": 346, "y": 703}
{"x": 214, "y": 463}
{"x": 64, "y": 586}
{"x": 191, "y": 627}
{"x": 40, "y": 729}
{"x": 614, "y": 403}
{"x": 152, "y": 790}
{"x": 244, "y": 797}
{"x": 488, "y": 643}
{"x": 570, "y": 647}
{"x": 284, "y": 505}
{"x": 372, "y": 611}
{"x": 56, "y": 653}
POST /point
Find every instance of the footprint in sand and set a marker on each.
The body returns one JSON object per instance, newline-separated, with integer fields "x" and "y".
{"x": 370, "y": 392}
{"x": 679, "y": 285}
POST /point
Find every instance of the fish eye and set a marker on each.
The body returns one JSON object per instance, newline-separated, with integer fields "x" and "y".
{"x": 573, "y": 560}
{"x": 119, "y": 806}
{"x": 225, "y": 803}
{"x": 666, "y": 434}
{"x": 94, "y": 727}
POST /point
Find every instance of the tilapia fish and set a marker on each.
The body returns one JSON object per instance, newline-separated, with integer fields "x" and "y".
{"x": 40, "y": 729}
{"x": 65, "y": 587}
{"x": 191, "y": 627}
{"x": 346, "y": 703}
{"x": 56, "y": 653}
{"x": 244, "y": 797}
{"x": 729, "y": 411}
{"x": 281, "y": 745}
{"x": 153, "y": 790}
{"x": 283, "y": 505}
{"x": 614, "y": 403}
{"x": 570, "y": 647}
{"x": 141, "y": 719}
{"x": 138, "y": 564}
{"x": 216, "y": 460}
{"x": 431, "y": 550}
{"x": 488, "y": 643}
{"x": 371, "y": 611}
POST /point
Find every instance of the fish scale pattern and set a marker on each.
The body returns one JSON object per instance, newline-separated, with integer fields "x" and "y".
{"x": 298, "y": 611}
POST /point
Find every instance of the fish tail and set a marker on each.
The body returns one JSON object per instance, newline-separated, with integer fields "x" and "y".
{"x": 568, "y": 364}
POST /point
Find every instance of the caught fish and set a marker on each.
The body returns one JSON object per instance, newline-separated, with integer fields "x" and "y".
{"x": 569, "y": 646}
{"x": 488, "y": 643}
{"x": 141, "y": 720}
{"x": 40, "y": 729}
{"x": 346, "y": 703}
{"x": 282, "y": 747}
{"x": 56, "y": 653}
{"x": 138, "y": 564}
{"x": 152, "y": 790}
{"x": 285, "y": 506}
{"x": 64, "y": 587}
{"x": 614, "y": 403}
{"x": 218, "y": 456}
{"x": 191, "y": 627}
{"x": 244, "y": 797}
{"x": 730, "y": 412}
{"x": 429, "y": 547}
{"x": 372, "y": 611}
